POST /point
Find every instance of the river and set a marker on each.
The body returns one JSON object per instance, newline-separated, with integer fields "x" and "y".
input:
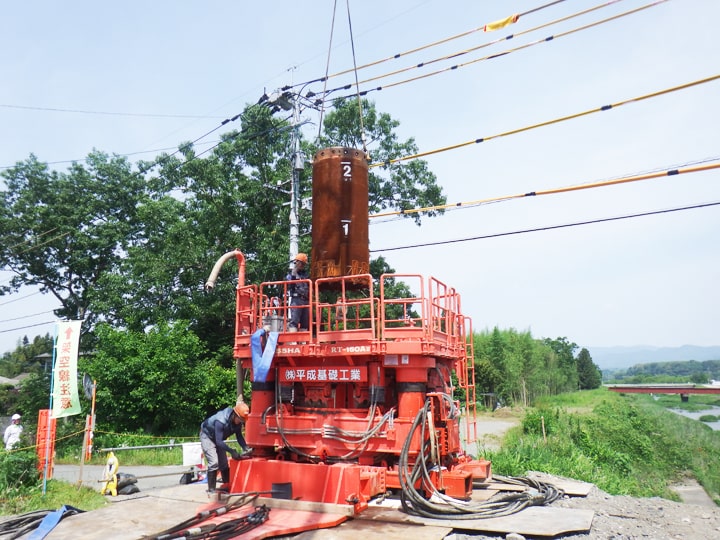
{"x": 712, "y": 410}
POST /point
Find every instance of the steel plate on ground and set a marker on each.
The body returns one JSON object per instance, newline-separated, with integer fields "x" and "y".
{"x": 533, "y": 521}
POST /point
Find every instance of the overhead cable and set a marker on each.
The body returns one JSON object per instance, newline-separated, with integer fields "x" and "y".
{"x": 18, "y": 299}
{"x": 327, "y": 65}
{"x": 549, "y": 122}
{"x": 26, "y": 316}
{"x": 487, "y": 44}
{"x": 24, "y": 327}
{"x": 496, "y": 25}
{"x": 107, "y": 113}
{"x": 577, "y": 187}
{"x": 551, "y": 227}
{"x": 28, "y": 241}
{"x": 357, "y": 84}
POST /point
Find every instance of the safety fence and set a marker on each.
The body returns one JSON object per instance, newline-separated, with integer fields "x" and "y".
{"x": 51, "y": 447}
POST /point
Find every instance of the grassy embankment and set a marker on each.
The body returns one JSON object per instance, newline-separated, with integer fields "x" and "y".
{"x": 629, "y": 445}
{"x": 625, "y": 444}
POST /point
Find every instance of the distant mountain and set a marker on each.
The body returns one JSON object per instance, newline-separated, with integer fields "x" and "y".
{"x": 625, "y": 357}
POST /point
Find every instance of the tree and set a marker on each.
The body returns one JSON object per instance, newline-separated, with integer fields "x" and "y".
{"x": 63, "y": 231}
{"x": 27, "y": 357}
{"x": 404, "y": 186}
{"x": 131, "y": 249}
{"x": 491, "y": 374}
{"x": 201, "y": 207}
{"x": 159, "y": 381}
{"x": 589, "y": 374}
{"x": 565, "y": 351}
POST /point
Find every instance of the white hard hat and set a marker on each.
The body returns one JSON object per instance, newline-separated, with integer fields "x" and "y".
{"x": 16, "y": 416}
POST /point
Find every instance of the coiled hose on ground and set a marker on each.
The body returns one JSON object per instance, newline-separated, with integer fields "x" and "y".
{"x": 439, "y": 505}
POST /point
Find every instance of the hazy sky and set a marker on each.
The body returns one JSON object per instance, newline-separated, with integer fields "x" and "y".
{"x": 136, "y": 78}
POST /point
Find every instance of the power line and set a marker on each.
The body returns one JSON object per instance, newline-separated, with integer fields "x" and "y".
{"x": 457, "y": 54}
{"x": 18, "y": 299}
{"x": 553, "y": 191}
{"x": 497, "y": 25}
{"x": 546, "y": 123}
{"x": 128, "y": 154}
{"x": 492, "y": 56}
{"x": 508, "y": 20}
{"x": 550, "y": 227}
{"x": 489, "y": 26}
{"x": 24, "y": 327}
{"x": 26, "y": 316}
{"x": 106, "y": 113}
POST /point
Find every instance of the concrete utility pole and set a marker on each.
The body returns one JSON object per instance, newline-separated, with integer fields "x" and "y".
{"x": 297, "y": 167}
{"x": 288, "y": 101}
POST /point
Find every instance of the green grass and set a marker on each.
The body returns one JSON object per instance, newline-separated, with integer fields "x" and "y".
{"x": 626, "y": 445}
{"x": 21, "y": 495}
{"x": 57, "y": 493}
{"x": 151, "y": 457}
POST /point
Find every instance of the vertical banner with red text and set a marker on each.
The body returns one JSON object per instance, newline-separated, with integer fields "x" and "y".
{"x": 65, "y": 400}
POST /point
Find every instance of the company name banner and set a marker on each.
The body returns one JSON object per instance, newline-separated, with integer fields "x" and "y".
{"x": 324, "y": 374}
{"x": 65, "y": 400}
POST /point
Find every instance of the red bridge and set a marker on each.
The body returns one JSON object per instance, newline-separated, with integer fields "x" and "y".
{"x": 683, "y": 389}
{"x": 664, "y": 389}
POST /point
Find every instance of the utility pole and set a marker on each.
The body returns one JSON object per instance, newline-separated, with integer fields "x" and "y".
{"x": 297, "y": 166}
{"x": 284, "y": 100}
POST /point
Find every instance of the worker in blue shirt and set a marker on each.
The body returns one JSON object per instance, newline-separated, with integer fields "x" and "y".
{"x": 213, "y": 432}
{"x": 299, "y": 294}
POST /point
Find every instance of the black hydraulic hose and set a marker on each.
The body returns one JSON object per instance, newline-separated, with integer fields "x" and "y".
{"x": 191, "y": 527}
{"x": 16, "y": 526}
{"x": 229, "y": 529}
{"x": 441, "y": 506}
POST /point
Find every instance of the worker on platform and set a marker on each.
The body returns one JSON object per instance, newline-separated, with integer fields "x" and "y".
{"x": 299, "y": 294}
{"x": 213, "y": 432}
{"x": 13, "y": 432}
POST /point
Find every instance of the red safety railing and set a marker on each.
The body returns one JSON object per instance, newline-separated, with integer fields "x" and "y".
{"x": 359, "y": 308}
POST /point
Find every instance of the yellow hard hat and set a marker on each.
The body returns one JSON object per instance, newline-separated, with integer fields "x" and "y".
{"x": 301, "y": 257}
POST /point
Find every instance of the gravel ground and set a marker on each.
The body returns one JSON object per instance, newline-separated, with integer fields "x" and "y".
{"x": 625, "y": 518}
{"x": 629, "y": 518}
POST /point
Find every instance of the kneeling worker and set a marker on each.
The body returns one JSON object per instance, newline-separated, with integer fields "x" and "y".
{"x": 213, "y": 432}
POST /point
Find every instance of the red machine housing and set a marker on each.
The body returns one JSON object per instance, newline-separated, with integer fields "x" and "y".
{"x": 341, "y": 411}
{"x": 339, "y": 401}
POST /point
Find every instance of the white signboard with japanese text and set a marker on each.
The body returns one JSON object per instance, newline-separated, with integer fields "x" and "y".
{"x": 65, "y": 399}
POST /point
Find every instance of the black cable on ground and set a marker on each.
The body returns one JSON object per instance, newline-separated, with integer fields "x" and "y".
{"x": 192, "y": 529}
{"x": 17, "y": 526}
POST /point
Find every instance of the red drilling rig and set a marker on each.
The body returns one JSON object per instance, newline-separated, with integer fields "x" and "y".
{"x": 362, "y": 402}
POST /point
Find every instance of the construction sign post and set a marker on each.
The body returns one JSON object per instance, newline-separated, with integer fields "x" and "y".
{"x": 65, "y": 400}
